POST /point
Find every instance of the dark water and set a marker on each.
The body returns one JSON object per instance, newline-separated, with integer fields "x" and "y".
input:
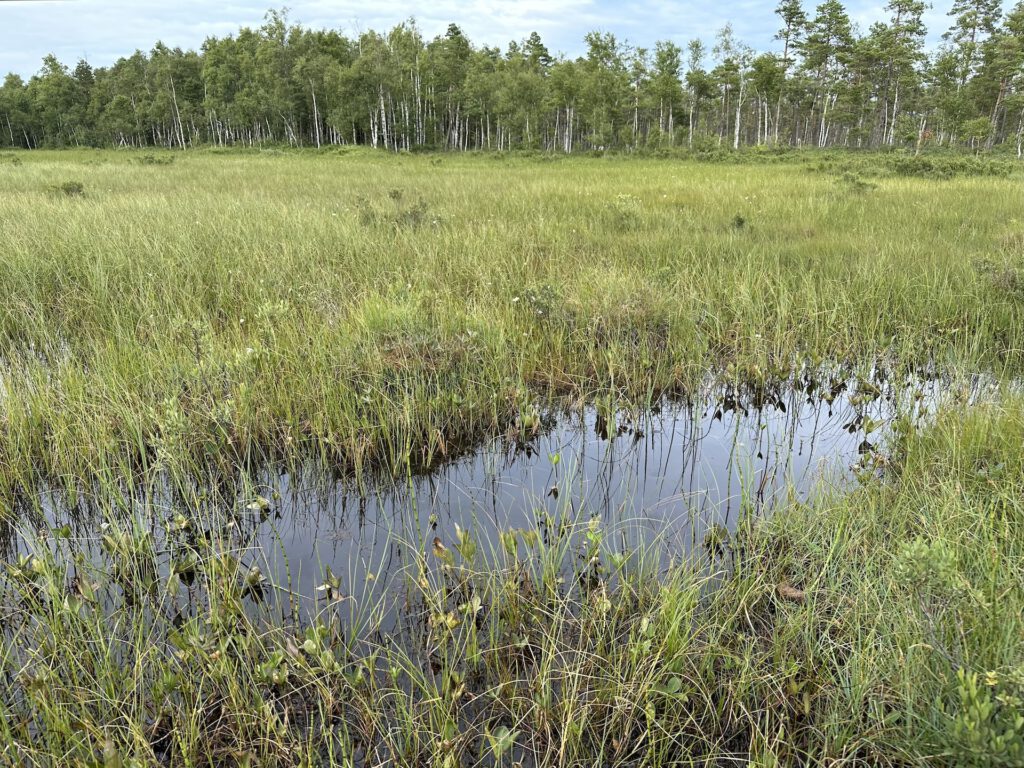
{"x": 665, "y": 478}
{"x": 668, "y": 477}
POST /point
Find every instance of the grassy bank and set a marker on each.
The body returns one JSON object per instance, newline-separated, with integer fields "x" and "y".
{"x": 166, "y": 311}
{"x": 881, "y": 628}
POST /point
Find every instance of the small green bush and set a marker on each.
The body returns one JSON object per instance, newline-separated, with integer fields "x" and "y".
{"x": 70, "y": 189}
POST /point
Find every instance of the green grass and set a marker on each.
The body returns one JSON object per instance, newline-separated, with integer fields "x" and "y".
{"x": 220, "y": 311}
{"x": 884, "y": 627}
{"x": 359, "y": 308}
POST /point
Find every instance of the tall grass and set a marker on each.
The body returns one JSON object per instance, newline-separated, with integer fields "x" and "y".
{"x": 221, "y": 311}
{"x": 360, "y": 308}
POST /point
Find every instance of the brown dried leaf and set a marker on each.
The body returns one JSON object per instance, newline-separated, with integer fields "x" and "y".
{"x": 791, "y": 593}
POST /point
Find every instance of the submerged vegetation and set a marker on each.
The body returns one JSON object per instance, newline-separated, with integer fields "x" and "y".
{"x": 186, "y": 324}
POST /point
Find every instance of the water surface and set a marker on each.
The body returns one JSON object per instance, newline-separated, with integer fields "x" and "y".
{"x": 668, "y": 477}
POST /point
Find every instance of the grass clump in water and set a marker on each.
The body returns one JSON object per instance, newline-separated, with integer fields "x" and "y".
{"x": 883, "y": 627}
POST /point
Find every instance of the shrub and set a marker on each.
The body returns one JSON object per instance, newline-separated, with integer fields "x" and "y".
{"x": 70, "y": 189}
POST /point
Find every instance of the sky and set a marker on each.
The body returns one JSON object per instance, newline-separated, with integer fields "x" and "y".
{"x": 101, "y": 31}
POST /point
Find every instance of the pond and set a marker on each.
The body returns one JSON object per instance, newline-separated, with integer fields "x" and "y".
{"x": 671, "y": 479}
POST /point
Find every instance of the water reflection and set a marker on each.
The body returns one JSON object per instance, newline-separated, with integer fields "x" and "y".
{"x": 672, "y": 475}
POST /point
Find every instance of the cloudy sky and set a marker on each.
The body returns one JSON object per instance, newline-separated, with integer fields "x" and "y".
{"x": 103, "y": 30}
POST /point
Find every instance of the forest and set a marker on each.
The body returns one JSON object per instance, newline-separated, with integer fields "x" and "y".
{"x": 826, "y": 83}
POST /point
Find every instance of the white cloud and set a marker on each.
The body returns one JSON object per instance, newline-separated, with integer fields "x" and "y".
{"x": 103, "y": 30}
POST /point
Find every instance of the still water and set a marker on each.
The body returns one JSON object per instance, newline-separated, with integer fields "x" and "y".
{"x": 667, "y": 477}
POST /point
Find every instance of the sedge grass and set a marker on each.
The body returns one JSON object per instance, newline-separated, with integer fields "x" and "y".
{"x": 363, "y": 309}
{"x": 880, "y": 627}
{"x": 220, "y": 311}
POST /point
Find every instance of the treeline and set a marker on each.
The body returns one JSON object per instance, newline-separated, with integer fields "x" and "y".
{"x": 827, "y": 84}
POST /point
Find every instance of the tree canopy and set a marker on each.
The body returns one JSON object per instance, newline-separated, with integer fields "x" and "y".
{"x": 827, "y": 84}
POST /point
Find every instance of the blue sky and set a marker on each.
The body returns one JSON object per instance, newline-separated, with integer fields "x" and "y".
{"x": 103, "y": 30}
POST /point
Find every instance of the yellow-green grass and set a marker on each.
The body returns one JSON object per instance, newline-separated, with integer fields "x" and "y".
{"x": 357, "y": 307}
{"x": 215, "y": 310}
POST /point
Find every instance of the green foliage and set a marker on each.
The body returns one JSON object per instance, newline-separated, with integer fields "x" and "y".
{"x": 932, "y": 165}
{"x": 155, "y": 159}
{"x": 161, "y": 326}
{"x": 855, "y": 183}
{"x": 948, "y": 167}
{"x": 281, "y": 84}
{"x": 224, "y": 313}
{"x": 70, "y": 189}
{"x": 987, "y": 727}
{"x": 558, "y": 630}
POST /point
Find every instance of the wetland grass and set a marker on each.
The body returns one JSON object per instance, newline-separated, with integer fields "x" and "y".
{"x": 360, "y": 308}
{"x": 880, "y": 627}
{"x": 224, "y": 312}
